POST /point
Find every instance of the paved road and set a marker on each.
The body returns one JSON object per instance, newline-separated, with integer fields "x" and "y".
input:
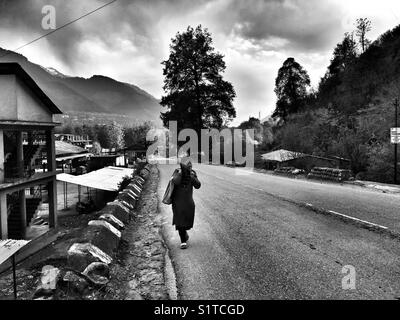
{"x": 249, "y": 244}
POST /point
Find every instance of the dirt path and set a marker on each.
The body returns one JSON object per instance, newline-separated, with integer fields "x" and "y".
{"x": 139, "y": 271}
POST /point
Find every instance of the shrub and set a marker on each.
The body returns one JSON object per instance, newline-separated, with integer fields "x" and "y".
{"x": 124, "y": 183}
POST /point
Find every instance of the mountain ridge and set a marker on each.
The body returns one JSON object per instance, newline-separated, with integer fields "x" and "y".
{"x": 96, "y": 94}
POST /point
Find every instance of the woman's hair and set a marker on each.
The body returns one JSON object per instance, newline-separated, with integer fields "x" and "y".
{"x": 186, "y": 168}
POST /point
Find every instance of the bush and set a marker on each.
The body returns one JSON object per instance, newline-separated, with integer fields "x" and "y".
{"x": 139, "y": 167}
{"x": 124, "y": 183}
{"x": 380, "y": 167}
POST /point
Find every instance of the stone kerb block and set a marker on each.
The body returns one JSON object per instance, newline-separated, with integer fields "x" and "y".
{"x": 125, "y": 204}
{"x": 98, "y": 273}
{"x": 105, "y": 224}
{"x": 138, "y": 183}
{"x": 115, "y": 222}
{"x": 133, "y": 192}
{"x": 101, "y": 237}
{"x": 118, "y": 210}
{"x": 80, "y": 255}
{"x": 135, "y": 187}
{"x": 139, "y": 180}
{"x": 128, "y": 197}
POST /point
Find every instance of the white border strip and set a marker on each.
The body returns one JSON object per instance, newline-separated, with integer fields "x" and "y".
{"x": 358, "y": 220}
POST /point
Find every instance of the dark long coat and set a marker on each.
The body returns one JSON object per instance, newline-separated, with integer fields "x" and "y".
{"x": 182, "y": 201}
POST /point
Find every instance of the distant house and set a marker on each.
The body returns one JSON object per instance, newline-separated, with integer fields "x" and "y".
{"x": 78, "y": 140}
{"x": 110, "y": 160}
{"x": 70, "y": 154}
{"x": 135, "y": 151}
{"x": 285, "y": 158}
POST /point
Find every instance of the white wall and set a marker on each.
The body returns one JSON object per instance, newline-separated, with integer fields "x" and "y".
{"x": 29, "y": 107}
{"x": 120, "y": 161}
{"x": 17, "y": 102}
{"x": 8, "y": 98}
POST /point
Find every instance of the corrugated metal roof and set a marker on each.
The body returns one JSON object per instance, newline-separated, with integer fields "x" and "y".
{"x": 65, "y": 148}
{"x": 75, "y": 156}
{"x": 106, "y": 179}
{"x": 282, "y": 155}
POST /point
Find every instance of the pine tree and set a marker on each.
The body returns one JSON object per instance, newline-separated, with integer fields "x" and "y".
{"x": 291, "y": 87}
{"x": 197, "y": 96}
{"x": 363, "y": 27}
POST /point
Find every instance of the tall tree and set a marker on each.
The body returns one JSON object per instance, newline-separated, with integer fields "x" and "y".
{"x": 196, "y": 95}
{"x": 136, "y": 136}
{"x": 291, "y": 87}
{"x": 111, "y": 136}
{"x": 363, "y": 27}
{"x": 344, "y": 55}
{"x": 262, "y": 131}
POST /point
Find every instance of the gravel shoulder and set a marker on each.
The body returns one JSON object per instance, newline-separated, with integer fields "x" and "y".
{"x": 138, "y": 273}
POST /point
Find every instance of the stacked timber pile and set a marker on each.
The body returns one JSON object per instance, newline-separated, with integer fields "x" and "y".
{"x": 330, "y": 174}
{"x": 285, "y": 170}
{"x": 289, "y": 171}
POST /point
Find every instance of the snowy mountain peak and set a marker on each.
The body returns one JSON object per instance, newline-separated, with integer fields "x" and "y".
{"x": 55, "y": 72}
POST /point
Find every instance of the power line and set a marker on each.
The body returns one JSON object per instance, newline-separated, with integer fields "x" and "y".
{"x": 63, "y": 26}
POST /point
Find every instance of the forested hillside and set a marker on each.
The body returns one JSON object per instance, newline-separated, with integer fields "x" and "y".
{"x": 351, "y": 112}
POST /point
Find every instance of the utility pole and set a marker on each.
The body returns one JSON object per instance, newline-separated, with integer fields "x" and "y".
{"x": 396, "y": 105}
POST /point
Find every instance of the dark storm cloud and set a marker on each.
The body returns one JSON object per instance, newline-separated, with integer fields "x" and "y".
{"x": 132, "y": 21}
{"x": 24, "y": 19}
{"x": 128, "y": 39}
{"x": 305, "y": 25}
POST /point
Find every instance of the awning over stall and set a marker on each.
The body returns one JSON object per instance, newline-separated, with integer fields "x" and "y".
{"x": 106, "y": 179}
{"x": 76, "y": 156}
{"x": 282, "y": 155}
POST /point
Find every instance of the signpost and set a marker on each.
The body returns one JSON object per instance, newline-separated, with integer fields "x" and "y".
{"x": 395, "y": 138}
{"x": 395, "y": 135}
{"x": 8, "y": 249}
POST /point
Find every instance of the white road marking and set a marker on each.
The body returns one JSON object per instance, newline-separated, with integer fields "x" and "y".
{"x": 358, "y": 220}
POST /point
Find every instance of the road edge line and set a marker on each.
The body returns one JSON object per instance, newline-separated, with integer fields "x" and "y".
{"x": 355, "y": 221}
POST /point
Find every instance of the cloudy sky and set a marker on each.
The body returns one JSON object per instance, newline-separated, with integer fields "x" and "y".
{"x": 127, "y": 40}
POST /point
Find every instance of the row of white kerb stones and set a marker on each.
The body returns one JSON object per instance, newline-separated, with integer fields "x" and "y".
{"x": 105, "y": 221}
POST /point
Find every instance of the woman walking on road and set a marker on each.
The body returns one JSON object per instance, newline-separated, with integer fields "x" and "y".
{"x": 184, "y": 179}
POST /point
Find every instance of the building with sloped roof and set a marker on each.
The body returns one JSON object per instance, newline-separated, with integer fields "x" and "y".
{"x": 285, "y": 158}
{"x": 26, "y": 111}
